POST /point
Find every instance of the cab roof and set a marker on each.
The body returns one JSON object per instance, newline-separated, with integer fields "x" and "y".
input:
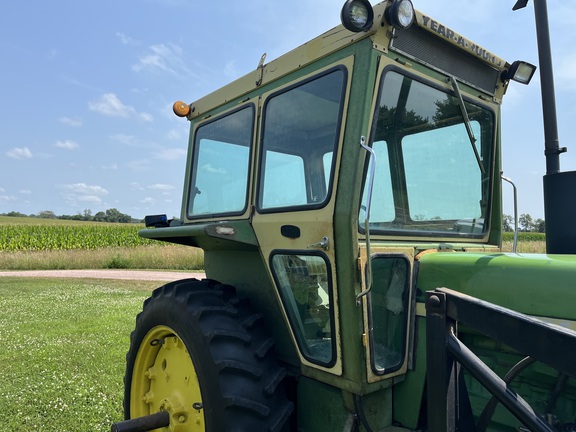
{"x": 330, "y": 42}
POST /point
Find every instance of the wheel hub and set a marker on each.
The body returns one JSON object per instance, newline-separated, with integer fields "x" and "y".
{"x": 165, "y": 379}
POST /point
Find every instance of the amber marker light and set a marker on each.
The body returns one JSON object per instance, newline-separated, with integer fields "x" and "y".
{"x": 181, "y": 109}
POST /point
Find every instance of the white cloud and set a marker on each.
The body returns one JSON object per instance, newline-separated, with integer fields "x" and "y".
{"x": 163, "y": 58}
{"x": 25, "y": 192}
{"x": 84, "y": 189}
{"x": 82, "y": 193}
{"x": 67, "y": 145}
{"x": 19, "y": 153}
{"x": 160, "y": 186}
{"x": 148, "y": 201}
{"x": 136, "y": 186}
{"x": 111, "y": 106}
{"x": 159, "y": 59}
{"x": 146, "y": 117}
{"x": 111, "y": 167}
{"x": 152, "y": 62}
{"x": 125, "y": 39}
{"x": 72, "y": 122}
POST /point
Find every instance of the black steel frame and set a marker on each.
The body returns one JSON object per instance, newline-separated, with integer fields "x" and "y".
{"x": 448, "y": 404}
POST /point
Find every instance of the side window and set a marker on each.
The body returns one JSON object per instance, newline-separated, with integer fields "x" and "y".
{"x": 388, "y": 312}
{"x": 219, "y": 179}
{"x": 306, "y": 291}
{"x": 301, "y": 128}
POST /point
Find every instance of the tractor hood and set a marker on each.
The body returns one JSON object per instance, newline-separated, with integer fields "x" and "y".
{"x": 537, "y": 285}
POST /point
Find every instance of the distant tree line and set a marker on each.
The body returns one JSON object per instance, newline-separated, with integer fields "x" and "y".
{"x": 525, "y": 223}
{"x": 110, "y": 215}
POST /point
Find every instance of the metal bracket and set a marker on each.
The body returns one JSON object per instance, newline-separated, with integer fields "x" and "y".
{"x": 555, "y": 151}
{"x": 260, "y": 69}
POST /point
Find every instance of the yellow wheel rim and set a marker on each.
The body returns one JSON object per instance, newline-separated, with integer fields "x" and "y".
{"x": 164, "y": 379}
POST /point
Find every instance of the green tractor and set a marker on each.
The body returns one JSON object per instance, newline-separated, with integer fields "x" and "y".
{"x": 348, "y": 200}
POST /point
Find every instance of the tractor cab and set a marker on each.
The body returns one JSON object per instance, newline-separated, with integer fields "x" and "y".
{"x": 323, "y": 187}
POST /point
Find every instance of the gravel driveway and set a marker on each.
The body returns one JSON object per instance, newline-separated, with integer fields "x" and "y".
{"x": 106, "y": 274}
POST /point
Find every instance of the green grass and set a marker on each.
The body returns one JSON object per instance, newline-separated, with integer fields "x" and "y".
{"x": 62, "y": 351}
{"x": 156, "y": 256}
{"x": 529, "y": 247}
{"x": 528, "y": 242}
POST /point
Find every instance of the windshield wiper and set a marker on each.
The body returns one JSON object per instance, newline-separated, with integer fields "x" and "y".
{"x": 467, "y": 122}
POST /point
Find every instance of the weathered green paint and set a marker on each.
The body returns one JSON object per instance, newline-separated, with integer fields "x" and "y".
{"x": 539, "y": 285}
{"x": 326, "y": 409}
{"x": 346, "y": 211}
{"x": 408, "y": 394}
{"x": 315, "y": 397}
{"x": 206, "y": 235}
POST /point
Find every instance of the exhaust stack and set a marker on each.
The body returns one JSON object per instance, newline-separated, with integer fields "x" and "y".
{"x": 559, "y": 187}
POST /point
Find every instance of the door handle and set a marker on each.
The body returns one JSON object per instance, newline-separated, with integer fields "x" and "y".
{"x": 324, "y": 244}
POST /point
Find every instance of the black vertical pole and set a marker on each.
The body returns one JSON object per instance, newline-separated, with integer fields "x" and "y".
{"x": 559, "y": 205}
{"x": 551, "y": 142}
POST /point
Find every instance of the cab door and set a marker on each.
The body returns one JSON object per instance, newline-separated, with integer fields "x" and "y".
{"x": 300, "y": 136}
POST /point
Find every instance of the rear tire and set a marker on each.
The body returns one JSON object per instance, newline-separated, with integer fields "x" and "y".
{"x": 201, "y": 354}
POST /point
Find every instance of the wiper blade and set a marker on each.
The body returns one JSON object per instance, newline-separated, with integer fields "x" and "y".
{"x": 467, "y": 122}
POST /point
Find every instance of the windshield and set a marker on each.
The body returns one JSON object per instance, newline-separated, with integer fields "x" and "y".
{"x": 427, "y": 178}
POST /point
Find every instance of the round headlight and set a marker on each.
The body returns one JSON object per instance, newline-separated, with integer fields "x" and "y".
{"x": 401, "y": 14}
{"x": 357, "y": 15}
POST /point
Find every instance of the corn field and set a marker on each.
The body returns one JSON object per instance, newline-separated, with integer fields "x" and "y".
{"x": 27, "y": 234}
{"x": 46, "y": 237}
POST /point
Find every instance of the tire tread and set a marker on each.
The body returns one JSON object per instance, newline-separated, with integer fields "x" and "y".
{"x": 243, "y": 381}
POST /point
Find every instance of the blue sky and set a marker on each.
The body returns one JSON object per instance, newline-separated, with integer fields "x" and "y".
{"x": 86, "y": 90}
